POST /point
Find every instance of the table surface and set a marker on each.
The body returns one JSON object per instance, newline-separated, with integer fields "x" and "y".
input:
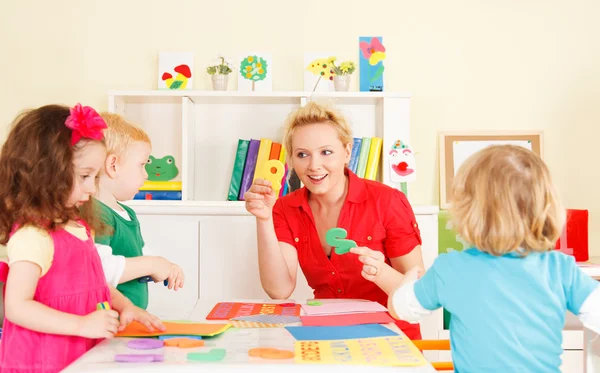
{"x": 237, "y": 342}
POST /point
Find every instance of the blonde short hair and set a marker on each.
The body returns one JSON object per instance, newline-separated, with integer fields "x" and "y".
{"x": 313, "y": 113}
{"x": 121, "y": 133}
{"x": 503, "y": 200}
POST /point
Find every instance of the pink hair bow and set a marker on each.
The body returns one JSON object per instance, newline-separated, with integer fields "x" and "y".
{"x": 85, "y": 122}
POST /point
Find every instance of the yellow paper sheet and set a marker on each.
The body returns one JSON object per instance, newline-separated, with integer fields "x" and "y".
{"x": 383, "y": 351}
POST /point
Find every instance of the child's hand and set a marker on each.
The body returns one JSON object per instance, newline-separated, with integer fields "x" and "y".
{"x": 176, "y": 277}
{"x": 373, "y": 262}
{"x": 99, "y": 324}
{"x": 130, "y": 313}
{"x": 161, "y": 269}
{"x": 165, "y": 270}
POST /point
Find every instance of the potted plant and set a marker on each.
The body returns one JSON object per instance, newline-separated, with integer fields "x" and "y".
{"x": 343, "y": 73}
{"x": 219, "y": 71}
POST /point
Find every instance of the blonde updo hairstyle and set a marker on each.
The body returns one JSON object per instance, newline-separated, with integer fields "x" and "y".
{"x": 313, "y": 113}
{"x": 503, "y": 201}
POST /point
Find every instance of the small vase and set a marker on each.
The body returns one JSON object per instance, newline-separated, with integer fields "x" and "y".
{"x": 219, "y": 82}
{"x": 341, "y": 82}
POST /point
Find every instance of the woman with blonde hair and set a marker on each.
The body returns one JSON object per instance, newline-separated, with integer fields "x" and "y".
{"x": 509, "y": 293}
{"x": 291, "y": 230}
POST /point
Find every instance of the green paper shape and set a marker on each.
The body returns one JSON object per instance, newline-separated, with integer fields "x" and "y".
{"x": 161, "y": 169}
{"x": 216, "y": 354}
{"x": 336, "y": 237}
{"x": 253, "y": 68}
{"x": 313, "y": 303}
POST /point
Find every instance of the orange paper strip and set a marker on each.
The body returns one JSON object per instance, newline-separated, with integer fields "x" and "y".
{"x": 135, "y": 329}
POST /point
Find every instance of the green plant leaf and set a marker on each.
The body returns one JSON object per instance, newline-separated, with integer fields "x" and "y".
{"x": 176, "y": 84}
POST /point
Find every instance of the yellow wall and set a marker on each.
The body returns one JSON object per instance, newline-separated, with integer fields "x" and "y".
{"x": 503, "y": 64}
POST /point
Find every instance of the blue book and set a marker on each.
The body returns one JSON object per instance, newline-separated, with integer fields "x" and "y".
{"x": 155, "y": 195}
{"x": 353, "y": 165}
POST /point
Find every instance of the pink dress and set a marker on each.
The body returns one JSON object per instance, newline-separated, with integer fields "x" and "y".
{"x": 75, "y": 284}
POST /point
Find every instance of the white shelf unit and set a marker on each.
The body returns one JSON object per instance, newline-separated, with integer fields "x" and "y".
{"x": 201, "y": 128}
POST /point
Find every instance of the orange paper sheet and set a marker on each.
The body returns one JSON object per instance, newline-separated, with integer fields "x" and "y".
{"x": 135, "y": 329}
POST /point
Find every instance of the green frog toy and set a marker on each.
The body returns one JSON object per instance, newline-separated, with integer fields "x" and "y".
{"x": 161, "y": 169}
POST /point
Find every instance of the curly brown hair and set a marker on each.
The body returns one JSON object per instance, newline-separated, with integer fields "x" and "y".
{"x": 36, "y": 169}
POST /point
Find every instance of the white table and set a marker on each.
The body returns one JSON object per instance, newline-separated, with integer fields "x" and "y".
{"x": 237, "y": 342}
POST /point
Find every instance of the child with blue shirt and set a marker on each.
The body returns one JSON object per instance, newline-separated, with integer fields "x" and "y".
{"x": 509, "y": 293}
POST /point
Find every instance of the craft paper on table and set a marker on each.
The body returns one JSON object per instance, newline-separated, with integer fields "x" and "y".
{"x": 328, "y": 333}
{"x": 348, "y": 319}
{"x": 269, "y": 319}
{"x": 335, "y": 308}
{"x": 318, "y": 73}
{"x": 135, "y": 329}
{"x": 175, "y": 70}
{"x": 241, "y": 324}
{"x": 230, "y": 310}
{"x": 255, "y": 73}
{"x": 389, "y": 351}
{"x": 371, "y": 56}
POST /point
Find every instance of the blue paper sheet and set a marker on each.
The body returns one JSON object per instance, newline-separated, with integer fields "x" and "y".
{"x": 329, "y": 333}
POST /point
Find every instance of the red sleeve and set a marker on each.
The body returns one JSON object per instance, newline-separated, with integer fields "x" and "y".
{"x": 281, "y": 225}
{"x": 402, "y": 231}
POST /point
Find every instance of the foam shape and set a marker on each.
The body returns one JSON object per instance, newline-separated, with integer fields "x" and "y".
{"x": 270, "y": 353}
{"x": 145, "y": 344}
{"x": 336, "y": 237}
{"x": 183, "y": 343}
{"x": 272, "y": 170}
{"x": 216, "y": 354}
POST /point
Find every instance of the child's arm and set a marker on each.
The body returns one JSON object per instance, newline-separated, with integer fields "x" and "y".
{"x": 582, "y": 294}
{"x": 129, "y": 312}
{"x": 402, "y": 301}
{"x": 22, "y": 310}
{"x": 113, "y": 265}
{"x": 157, "y": 267}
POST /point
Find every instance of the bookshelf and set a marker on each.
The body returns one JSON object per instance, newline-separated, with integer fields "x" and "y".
{"x": 201, "y": 128}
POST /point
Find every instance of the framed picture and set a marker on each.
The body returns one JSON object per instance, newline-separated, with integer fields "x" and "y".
{"x": 456, "y": 147}
{"x": 175, "y": 70}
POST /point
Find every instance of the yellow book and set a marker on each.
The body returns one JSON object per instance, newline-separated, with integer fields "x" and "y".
{"x": 373, "y": 160}
{"x": 161, "y": 185}
{"x": 282, "y": 155}
{"x": 264, "y": 150}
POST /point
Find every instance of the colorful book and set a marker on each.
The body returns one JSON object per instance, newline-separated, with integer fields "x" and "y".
{"x": 264, "y": 151}
{"x": 353, "y": 165}
{"x": 158, "y": 195}
{"x": 275, "y": 151}
{"x": 373, "y": 160}
{"x": 238, "y": 170}
{"x": 161, "y": 185}
{"x": 248, "y": 175}
{"x": 282, "y": 156}
{"x": 363, "y": 157}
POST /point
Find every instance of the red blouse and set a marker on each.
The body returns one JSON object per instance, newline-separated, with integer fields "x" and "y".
{"x": 374, "y": 215}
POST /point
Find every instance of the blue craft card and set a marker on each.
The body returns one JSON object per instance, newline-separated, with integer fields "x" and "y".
{"x": 330, "y": 333}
